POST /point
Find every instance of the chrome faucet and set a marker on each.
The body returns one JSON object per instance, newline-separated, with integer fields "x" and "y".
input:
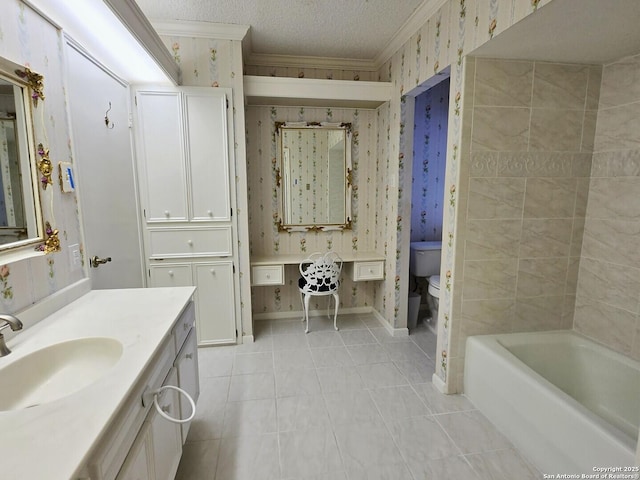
{"x": 7, "y": 320}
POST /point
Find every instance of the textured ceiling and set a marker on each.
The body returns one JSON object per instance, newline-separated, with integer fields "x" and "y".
{"x": 353, "y": 29}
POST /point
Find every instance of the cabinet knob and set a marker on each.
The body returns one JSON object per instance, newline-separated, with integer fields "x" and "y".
{"x": 371, "y": 270}
{"x": 268, "y": 275}
{"x": 190, "y": 242}
{"x": 189, "y": 356}
{"x": 166, "y": 408}
{"x": 213, "y": 271}
{"x": 185, "y": 326}
{"x": 210, "y": 213}
{"x": 167, "y": 213}
{"x": 171, "y": 273}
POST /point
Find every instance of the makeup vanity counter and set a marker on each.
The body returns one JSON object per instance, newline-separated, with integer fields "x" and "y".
{"x": 359, "y": 265}
{"x": 63, "y": 439}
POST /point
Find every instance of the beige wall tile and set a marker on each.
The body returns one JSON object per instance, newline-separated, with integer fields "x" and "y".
{"x": 484, "y": 317}
{"x": 483, "y": 164}
{"x": 623, "y": 163}
{"x": 618, "y": 128}
{"x": 621, "y": 82}
{"x": 500, "y": 128}
{"x": 582, "y": 197}
{"x": 538, "y": 314}
{"x": 615, "y": 241}
{"x": 635, "y": 349}
{"x": 593, "y": 88}
{"x": 491, "y": 198}
{"x": 589, "y": 125}
{"x": 541, "y": 276}
{"x": 550, "y": 198}
{"x": 614, "y": 198}
{"x": 549, "y": 237}
{"x": 503, "y": 83}
{"x": 489, "y": 279}
{"x": 556, "y": 130}
{"x": 581, "y": 164}
{"x": 577, "y": 237}
{"x": 616, "y": 285}
{"x": 617, "y": 329}
{"x": 568, "y": 312}
{"x": 572, "y": 276}
{"x": 560, "y": 85}
{"x": 492, "y": 239}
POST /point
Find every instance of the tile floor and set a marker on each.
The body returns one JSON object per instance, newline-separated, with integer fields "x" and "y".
{"x": 348, "y": 405}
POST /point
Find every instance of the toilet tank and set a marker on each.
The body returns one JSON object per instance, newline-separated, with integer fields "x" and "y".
{"x": 424, "y": 259}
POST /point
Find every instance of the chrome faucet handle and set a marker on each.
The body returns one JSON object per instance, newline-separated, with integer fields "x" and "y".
{"x": 7, "y": 320}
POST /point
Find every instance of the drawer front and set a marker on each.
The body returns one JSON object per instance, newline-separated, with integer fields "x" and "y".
{"x": 267, "y": 275}
{"x": 176, "y": 275}
{"x": 183, "y": 325}
{"x": 191, "y": 243}
{"x": 363, "y": 271}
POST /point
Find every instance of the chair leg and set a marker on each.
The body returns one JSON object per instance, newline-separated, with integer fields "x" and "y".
{"x": 306, "y": 311}
{"x": 336, "y": 298}
{"x": 302, "y": 303}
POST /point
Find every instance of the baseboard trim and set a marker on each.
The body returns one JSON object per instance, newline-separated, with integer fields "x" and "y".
{"x": 313, "y": 313}
{"x": 439, "y": 384}
{"x": 394, "y": 332}
{"x": 247, "y": 339}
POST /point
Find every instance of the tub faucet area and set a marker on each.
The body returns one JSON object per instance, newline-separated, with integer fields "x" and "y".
{"x": 7, "y": 320}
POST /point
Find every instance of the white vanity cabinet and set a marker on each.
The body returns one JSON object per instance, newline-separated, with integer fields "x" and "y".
{"x": 185, "y": 162}
{"x": 141, "y": 444}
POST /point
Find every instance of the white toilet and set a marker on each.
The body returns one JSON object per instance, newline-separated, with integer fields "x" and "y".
{"x": 424, "y": 261}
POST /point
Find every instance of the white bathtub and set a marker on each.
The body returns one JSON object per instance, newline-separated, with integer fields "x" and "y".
{"x": 568, "y": 404}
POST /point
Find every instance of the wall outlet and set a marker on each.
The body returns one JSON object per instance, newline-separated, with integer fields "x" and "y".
{"x": 75, "y": 259}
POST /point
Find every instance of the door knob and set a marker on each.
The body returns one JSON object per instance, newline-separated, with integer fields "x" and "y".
{"x": 97, "y": 261}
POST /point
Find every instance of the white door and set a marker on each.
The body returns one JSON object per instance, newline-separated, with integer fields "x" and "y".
{"x": 103, "y": 163}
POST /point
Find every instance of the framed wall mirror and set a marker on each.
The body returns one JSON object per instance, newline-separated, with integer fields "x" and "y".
{"x": 20, "y": 213}
{"x": 313, "y": 176}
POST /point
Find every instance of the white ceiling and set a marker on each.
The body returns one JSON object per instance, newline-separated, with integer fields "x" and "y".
{"x": 353, "y": 29}
{"x": 572, "y": 31}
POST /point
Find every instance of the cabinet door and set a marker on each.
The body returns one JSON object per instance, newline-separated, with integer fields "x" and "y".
{"x": 139, "y": 462}
{"x": 205, "y": 114}
{"x": 187, "y": 365}
{"x": 170, "y": 275}
{"x": 161, "y": 150}
{"x": 166, "y": 436}
{"x": 216, "y": 321}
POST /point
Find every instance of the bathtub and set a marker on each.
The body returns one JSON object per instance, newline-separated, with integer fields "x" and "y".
{"x": 568, "y": 404}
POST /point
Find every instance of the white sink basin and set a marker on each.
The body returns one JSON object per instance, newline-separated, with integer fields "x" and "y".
{"x": 56, "y": 371}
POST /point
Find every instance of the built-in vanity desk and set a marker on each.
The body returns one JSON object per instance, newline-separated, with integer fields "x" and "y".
{"x": 102, "y": 429}
{"x": 360, "y": 266}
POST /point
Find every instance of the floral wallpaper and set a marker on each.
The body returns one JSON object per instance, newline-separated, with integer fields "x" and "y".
{"x": 429, "y": 160}
{"x": 28, "y": 39}
{"x": 265, "y": 239}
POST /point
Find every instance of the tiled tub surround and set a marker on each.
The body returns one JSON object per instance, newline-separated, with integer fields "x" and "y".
{"x": 532, "y": 396}
{"x": 352, "y": 404}
{"x": 528, "y": 140}
{"x": 608, "y": 293}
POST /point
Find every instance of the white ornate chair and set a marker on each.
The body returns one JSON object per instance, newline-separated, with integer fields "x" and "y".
{"x": 320, "y": 277}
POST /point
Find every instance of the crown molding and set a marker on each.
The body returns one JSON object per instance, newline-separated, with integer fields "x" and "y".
{"x": 182, "y": 28}
{"x": 417, "y": 19}
{"x": 273, "y": 60}
{"x": 128, "y": 12}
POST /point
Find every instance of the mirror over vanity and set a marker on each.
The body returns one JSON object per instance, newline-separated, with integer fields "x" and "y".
{"x": 20, "y": 214}
{"x": 313, "y": 176}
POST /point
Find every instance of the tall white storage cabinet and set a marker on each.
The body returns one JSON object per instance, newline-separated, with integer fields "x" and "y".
{"x": 185, "y": 163}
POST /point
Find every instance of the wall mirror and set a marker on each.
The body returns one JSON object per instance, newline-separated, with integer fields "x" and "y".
{"x": 313, "y": 176}
{"x": 20, "y": 214}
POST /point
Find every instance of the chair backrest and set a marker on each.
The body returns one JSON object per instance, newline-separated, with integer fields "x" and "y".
{"x": 321, "y": 272}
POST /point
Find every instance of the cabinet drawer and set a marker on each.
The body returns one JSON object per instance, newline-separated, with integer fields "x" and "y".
{"x": 183, "y": 325}
{"x": 190, "y": 242}
{"x": 172, "y": 275}
{"x": 368, "y": 271}
{"x": 267, "y": 275}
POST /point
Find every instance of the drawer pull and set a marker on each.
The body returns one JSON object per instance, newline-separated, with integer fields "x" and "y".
{"x": 189, "y": 356}
{"x": 166, "y": 408}
{"x": 185, "y": 326}
{"x": 171, "y": 273}
{"x": 268, "y": 275}
{"x": 213, "y": 271}
{"x": 210, "y": 213}
{"x": 371, "y": 270}
{"x": 167, "y": 213}
{"x": 190, "y": 242}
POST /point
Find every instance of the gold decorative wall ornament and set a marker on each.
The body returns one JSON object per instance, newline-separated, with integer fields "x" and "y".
{"x": 52, "y": 242}
{"x": 35, "y": 82}
{"x": 45, "y": 167}
{"x": 349, "y": 177}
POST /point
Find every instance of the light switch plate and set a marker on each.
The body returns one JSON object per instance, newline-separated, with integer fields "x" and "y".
{"x": 67, "y": 177}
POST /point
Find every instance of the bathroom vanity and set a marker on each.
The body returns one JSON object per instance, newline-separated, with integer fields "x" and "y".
{"x": 100, "y": 422}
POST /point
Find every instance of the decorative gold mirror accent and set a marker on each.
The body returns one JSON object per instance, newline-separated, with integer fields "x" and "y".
{"x": 21, "y": 221}
{"x": 313, "y": 176}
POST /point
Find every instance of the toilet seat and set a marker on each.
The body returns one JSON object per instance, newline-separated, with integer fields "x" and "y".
{"x": 434, "y": 285}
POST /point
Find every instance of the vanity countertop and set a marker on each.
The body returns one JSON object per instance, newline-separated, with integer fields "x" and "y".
{"x": 54, "y": 440}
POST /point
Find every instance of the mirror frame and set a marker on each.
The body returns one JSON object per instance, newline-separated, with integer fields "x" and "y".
{"x": 279, "y": 175}
{"x": 32, "y": 86}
